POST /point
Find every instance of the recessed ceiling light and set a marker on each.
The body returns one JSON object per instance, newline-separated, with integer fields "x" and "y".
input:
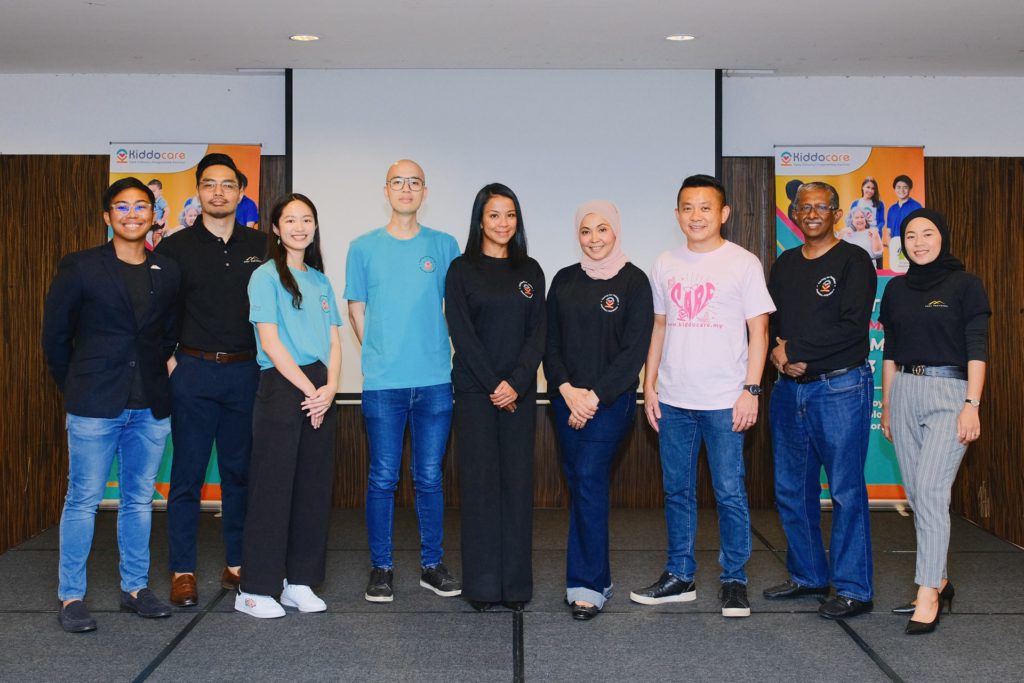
{"x": 679, "y": 37}
{"x": 303, "y": 38}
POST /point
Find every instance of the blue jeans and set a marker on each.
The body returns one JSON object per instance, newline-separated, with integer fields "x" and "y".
{"x": 428, "y": 412}
{"x": 824, "y": 423}
{"x": 138, "y": 439}
{"x": 680, "y": 431}
{"x": 587, "y": 458}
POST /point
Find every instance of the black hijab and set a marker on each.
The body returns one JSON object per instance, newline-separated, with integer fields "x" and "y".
{"x": 925, "y": 277}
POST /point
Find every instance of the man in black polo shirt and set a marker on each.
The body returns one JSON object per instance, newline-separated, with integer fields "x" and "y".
{"x": 213, "y": 373}
{"x": 820, "y": 409}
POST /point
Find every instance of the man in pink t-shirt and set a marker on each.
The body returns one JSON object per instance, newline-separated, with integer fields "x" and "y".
{"x": 702, "y": 381}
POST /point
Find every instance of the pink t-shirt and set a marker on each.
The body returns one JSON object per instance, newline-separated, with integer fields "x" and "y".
{"x": 706, "y": 299}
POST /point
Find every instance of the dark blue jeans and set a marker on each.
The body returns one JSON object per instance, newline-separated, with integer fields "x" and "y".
{"x": 212, "y": 402}
{"x": 428, "y": 412}
{"x": 680, "y": 431}
{"x": 825, "y": 423}
{"x": 587, "y": 457}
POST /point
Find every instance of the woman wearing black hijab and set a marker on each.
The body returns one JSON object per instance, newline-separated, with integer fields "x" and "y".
{"x": 936, "y": 332}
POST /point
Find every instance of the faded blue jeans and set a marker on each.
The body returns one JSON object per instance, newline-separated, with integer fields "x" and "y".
{"x": 680, "y": 431}
{"x": 138, "y": 439}
{"x": 428, "y": 412}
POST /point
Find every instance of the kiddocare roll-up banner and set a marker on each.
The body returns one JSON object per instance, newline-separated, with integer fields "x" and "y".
{"x": 169, "y": 170}
{"x": 866, "y": 179}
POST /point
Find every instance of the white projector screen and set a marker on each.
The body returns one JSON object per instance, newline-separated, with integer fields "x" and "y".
{"x": 557, "y": 138}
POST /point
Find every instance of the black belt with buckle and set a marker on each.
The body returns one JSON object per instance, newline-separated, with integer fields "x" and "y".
{"x": 952, "y": 371}
{"x": 218, "y": 356}
{"x": 822, "y": 376}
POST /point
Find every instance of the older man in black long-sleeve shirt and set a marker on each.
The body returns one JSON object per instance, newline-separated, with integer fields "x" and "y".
{"x": 820, "y": 410}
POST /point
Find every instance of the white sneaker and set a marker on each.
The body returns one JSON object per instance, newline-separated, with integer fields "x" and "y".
{"x": 259, "y": 606}
{"x": 302, "y": 598}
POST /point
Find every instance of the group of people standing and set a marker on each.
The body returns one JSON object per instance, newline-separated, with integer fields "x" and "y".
{"x": 249, "y": 333}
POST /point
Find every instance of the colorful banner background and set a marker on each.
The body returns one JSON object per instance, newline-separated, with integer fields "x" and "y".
{"x": 174, "y": 166}
{"x": 846, "y": 168}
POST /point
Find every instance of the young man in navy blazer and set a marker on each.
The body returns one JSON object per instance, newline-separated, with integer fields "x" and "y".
{"x": 108, "y": 330}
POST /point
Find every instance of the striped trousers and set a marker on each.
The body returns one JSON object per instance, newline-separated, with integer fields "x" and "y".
{"x": 922, "y": 417}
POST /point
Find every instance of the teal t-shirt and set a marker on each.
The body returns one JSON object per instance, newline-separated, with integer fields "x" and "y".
{"x": 405, "y": 337}
{"x": 305, "y": 332}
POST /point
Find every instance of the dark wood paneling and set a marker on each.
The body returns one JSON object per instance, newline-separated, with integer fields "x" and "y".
{"x": 51, "y": 206}
{"x": 983, "y": 200}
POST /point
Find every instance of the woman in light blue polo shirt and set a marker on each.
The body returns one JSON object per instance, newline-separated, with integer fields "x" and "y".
{"x": 292, "y": 306}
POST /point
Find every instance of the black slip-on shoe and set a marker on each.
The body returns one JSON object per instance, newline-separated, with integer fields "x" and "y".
{"x": 146, "y": 604}
{"x": 75, "y": 618}
{"x": 842, "y": 607}
{"x": 790, "y": 589}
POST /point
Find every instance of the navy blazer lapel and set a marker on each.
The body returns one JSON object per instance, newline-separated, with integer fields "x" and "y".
{"x": 113, "y": 267}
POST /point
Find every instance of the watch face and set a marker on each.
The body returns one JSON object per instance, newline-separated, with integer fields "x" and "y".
{"x": 753, "y": 389}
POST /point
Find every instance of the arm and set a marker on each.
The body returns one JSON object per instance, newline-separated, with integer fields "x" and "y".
{"x": 744, "y": 411}
{"x": 625, "y": 367}
{"x": 60, "y": 319}
{"x": 968, "y": 425}
{"x": 651, "y": 408}
{"x": 321, "y": 400}
{"x": 468, "y": 346}
{"x": 555, "y": 370}
{"x": 888, "y": 372}
{"x": 525, "y": 372}
{"x": 356, "y": 316}
{"x": 282, "y": 360}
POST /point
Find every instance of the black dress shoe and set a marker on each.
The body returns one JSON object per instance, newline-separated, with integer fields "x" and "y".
{"x": 75, "y": 618}
{"x": 514, "y": 605}
{"x": 842, "y": 607}
{"x": 584, "y": 612}
{"x": 945, "y": 595}
{"x": 481, "y": 605}
{"x": 789, "y": 589}
{"x": 146, "y": 604}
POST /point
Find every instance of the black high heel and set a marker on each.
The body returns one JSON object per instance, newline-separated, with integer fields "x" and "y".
{"x": 946, "y": 594}
{"x": 918, "y": 628}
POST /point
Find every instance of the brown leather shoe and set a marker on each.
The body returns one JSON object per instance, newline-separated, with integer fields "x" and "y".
{"x": 183, "y": 590}
{"x": 229, "y": 580}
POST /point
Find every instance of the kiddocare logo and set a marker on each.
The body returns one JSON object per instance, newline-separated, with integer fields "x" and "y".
{"x": 126, "y": 155}
{"x": 121, "y": 156}
{"x": 788, "y": 158}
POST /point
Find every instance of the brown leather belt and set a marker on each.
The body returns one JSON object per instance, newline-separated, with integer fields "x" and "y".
{"x": 218, "y": 356}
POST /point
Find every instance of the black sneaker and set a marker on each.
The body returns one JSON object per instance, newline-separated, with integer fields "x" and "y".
{"x": 378, "y": 589}
{"x": 75, "y": 618}
{"x": 145, "y": 605}
{"x": 441, "y": 581}
{"x": 734, "y": 600}
{"x": 669, "y": 588}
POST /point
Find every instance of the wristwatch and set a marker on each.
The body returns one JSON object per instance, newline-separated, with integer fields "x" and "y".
{"x": 754, "y": 389}
{"x": 974, "y": 402}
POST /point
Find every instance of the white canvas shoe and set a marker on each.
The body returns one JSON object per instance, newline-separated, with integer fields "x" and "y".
{"x": 259, "y": 606}
{"x": 302, "y": 598}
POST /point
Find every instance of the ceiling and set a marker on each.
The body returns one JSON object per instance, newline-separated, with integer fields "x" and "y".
{"x": 791, "y": 37}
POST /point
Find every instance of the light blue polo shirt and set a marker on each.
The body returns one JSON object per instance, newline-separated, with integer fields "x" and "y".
{"x": 305, "y": 332}
{"x": 405, "y": 337}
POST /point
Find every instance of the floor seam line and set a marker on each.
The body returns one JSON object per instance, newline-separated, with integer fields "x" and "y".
{"x": 170, "y": 647}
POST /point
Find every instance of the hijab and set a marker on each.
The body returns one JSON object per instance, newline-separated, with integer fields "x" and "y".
{"x": 923, "y": 278}
{"x": 610, "y": 265}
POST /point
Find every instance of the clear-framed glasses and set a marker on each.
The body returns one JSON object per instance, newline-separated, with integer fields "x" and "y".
{"x": 225, "y": 185}
{"x": 817, "y": 208}
{"x": 124, "y": 208}
{"x": 398, "y": 182}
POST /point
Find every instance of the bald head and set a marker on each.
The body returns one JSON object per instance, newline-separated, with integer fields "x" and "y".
{"x": 406, "y": 168}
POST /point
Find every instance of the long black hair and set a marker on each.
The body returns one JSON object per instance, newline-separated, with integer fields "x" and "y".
{"x": 474, "y": 243}
{"x": 277, "y": 252}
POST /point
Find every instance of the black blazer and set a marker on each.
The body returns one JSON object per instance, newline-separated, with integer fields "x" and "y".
{"x": 92, "y": 341}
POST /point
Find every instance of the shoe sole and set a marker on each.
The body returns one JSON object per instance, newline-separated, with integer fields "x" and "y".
{"x": 191, "y": 602}
{"x": 244, "y": 610}
{"x": 78, "y": 629}
{"x": 378, "y": 598}
{"x": 682, "y": 597}
{"x": 158, "y": 615}
{"x": 438, "y": 591}
{"x": 288, "y": 603}
{"x": 735, "y": 611}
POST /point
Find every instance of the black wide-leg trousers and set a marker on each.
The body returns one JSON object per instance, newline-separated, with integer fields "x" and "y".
{"x": 290, "y": 479}
{"x": 495, "y": 463}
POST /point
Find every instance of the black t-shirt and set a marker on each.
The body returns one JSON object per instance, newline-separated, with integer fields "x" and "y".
{"x": 213, "y": 299}
{"x": 945, "y": 325}
{"x": 139, "y": 283}
{"x": 824, "y": 306}
{"x": 496, "y": 321}
{"x": 598, "y": 331}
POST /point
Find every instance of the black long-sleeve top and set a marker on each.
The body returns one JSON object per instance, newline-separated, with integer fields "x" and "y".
{"x": 945, "y": 325}
{"x": 823, "y": 306}
{"x": 495, "y": 318}
{"x": 598, "y": 331}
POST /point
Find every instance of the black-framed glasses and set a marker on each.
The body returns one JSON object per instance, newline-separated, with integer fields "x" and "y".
{"x": 124, "y": 208}
{"x": 414, "y": 183}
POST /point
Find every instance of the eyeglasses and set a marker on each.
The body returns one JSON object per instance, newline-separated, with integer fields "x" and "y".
{"x": 817, "y": 208}
{"x": 124, "y": 208}
{"x": 226, "y": 185}
{"x": 398, "y": 182}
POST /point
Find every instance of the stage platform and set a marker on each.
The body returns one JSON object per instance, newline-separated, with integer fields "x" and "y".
{"x": 421, "y": 637}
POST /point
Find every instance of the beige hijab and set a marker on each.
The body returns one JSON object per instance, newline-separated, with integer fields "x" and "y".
{"x": 610, "y": 265}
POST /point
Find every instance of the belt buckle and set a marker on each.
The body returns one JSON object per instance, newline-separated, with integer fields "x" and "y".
{"x": 917, "y": 369}
{"x": 216, "y": 357}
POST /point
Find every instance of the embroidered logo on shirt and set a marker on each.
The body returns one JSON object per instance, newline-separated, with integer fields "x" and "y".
{"x": 253, "y": 259}
{"x": 937, "y": 303}
{"x": 609, "y": 303}
{"x": 526, "y": 289}
{"x": 324, "y": 303}
{"x": 826, "y": 286}
{"x": 427, "y": 264}
{"x": 692, "y": 300}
